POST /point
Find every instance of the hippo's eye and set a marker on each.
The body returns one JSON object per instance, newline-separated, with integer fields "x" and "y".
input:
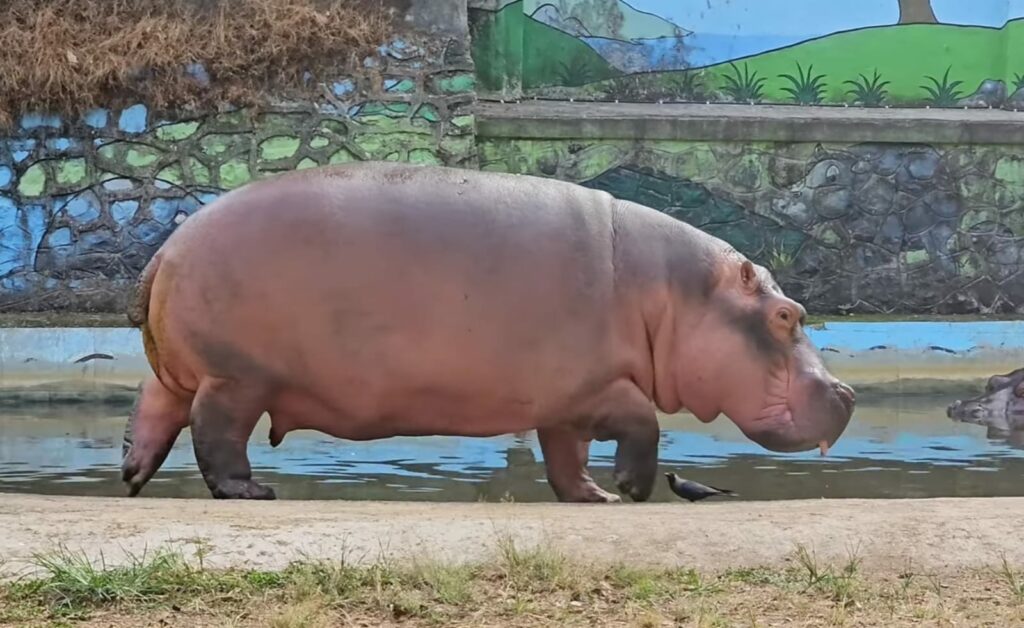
{"x": 832, "y": 174}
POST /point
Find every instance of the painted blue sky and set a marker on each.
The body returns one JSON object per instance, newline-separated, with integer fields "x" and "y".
{"x": 812, "y": 18}
{"x": 723, "y": 30}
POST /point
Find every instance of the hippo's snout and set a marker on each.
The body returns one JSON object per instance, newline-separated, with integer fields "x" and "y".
{"x": 819, "y": 412}
{"x": 966, "y": 411}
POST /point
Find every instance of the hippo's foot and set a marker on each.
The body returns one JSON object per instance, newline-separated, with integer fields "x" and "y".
{"x": 637, "y": 482}
{"x": 242, "y": 489}
{"x": 224, "y": 414}
{"x": 636, "y": 457}
{"x": 593, "y": 494}
{"x": 153, "y": 425}
{"x": 565, "y": 456}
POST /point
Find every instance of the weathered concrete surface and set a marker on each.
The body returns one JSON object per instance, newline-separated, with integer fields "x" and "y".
{"x": 552, "y": 120}
{"x": 934, "y": 535}
{"x": 448, "y": 17}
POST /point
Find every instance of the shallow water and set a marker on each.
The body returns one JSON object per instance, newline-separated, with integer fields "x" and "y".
{"x": 895, "y": 447}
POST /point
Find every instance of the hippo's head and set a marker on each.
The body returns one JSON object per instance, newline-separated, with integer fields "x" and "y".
{"x": 1000, "y": 407}
{"x": 747, "y": 357}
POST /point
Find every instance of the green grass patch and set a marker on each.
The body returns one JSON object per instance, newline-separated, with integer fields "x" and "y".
{"x": 905, "y": 56}
{"x": 74, "y": 584}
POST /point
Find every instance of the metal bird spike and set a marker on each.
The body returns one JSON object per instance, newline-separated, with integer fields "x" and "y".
{"x": 694, "y": 491}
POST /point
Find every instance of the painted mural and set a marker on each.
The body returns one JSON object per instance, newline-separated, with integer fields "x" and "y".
{"x": 939, "y": 53}
{"x": 863, "y": 228}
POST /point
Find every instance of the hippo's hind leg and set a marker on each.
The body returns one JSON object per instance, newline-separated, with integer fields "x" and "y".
{"x": 153, "y": 425}
{"x": 566, "y": 451}
{"x": 224, "y": 414}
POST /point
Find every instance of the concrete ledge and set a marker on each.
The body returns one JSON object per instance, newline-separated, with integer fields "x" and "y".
{"x": 552, "y": 120}
{"x": 932, "y": 535}
{"x": 75, "y": 364}
{"x": 62, "y": 319}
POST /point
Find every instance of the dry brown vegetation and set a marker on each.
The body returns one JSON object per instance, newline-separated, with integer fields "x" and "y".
{"x": 67, "y": 56}
{"x": 517, "y": 587}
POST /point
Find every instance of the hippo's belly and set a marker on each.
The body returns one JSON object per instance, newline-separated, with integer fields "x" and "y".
{"x": 415, "y": 307}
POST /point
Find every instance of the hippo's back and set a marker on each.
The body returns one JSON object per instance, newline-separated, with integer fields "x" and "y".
{"x": 393, "y": 280}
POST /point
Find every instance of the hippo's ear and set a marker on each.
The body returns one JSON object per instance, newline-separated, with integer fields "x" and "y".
{"x": 748, "y": 277}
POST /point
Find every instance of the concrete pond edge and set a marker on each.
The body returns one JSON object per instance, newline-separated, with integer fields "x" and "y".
{"x": 77, "y": 364}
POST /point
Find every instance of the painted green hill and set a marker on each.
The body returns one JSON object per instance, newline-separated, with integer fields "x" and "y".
{"x": 907, "y": 56}
{"x": 904, "y": 55}
{"x": 507, "y": 43}
{"x": 614, "y": 19}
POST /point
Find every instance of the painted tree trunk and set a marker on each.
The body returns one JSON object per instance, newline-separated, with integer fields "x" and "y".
{"x": 917, "y": 12}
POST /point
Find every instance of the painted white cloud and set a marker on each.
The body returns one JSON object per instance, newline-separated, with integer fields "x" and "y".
{"x": 799, "y": 19}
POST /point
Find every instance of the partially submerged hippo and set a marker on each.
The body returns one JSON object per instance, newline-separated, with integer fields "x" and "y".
{"x": 375, "y": 300}
{"x": 1000, "y": 407}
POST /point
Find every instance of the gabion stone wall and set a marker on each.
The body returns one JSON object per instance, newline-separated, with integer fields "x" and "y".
{"x": 85, "y": 202}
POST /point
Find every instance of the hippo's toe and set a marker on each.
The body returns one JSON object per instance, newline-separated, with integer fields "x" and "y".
{"x": 638, "y": 491}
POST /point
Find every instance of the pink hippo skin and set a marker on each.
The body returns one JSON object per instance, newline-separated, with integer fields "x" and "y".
{"x": 375, "y": 300}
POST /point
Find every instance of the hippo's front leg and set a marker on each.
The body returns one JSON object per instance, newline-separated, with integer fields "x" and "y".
{"x": 628, "y": 417}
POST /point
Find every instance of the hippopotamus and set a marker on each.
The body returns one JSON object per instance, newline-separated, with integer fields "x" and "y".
{"x": 373, "y": 300}
{"x": 1000, "y": 407}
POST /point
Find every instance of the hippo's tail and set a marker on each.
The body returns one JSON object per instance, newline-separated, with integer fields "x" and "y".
{"x": 138, "y": 309}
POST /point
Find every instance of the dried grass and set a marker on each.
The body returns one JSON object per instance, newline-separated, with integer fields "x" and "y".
{"x": 68, "y": 56}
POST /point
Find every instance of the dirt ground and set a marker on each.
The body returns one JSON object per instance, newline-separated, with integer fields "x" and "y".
{"x": 938, "y": 535}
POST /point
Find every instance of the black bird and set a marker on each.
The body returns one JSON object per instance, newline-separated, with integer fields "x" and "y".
{"x": 694, "y": 491}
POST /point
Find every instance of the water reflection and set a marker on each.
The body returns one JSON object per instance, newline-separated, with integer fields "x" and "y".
{"x": 1012, "y": 438}
{"x": 895, "y": 447}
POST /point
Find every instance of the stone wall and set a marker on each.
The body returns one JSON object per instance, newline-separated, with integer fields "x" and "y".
{"x": 85, "y": 202}
{"x": 866, "y": 227}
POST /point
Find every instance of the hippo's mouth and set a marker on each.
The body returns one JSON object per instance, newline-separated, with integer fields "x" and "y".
{"x": 782, "y": 427}
{"x": 776, "y": 412}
